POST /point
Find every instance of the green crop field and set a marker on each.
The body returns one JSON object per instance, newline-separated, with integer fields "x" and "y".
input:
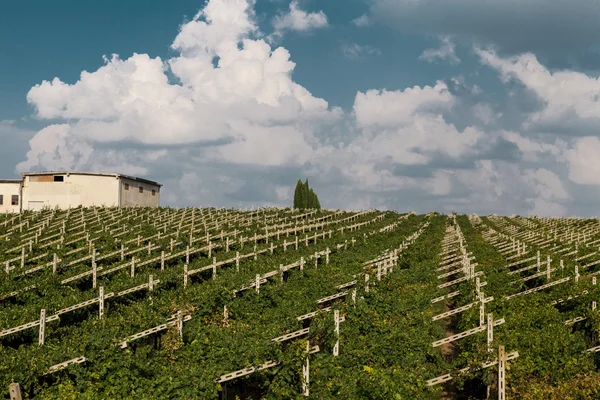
{"x": 141, "y": 303}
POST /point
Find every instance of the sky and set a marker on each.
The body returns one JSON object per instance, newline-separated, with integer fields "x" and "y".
{"x": 425, "y": 105}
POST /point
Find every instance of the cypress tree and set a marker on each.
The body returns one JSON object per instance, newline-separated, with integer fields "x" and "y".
{"x": 298, "y": 194}
{"x": 305, "y": 197}
{"x": 312, "y": 199}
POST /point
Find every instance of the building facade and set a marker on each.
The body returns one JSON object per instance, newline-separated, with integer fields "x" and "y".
{"x": 63, "y": 190}
{"x": 10, "y": 195}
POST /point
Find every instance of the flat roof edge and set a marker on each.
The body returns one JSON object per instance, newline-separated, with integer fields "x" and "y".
{"x": 116, "y": 175}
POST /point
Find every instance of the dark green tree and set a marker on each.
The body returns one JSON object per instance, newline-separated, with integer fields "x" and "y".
{"x": 305, "y": 197}
{"x": 298, "y": 195}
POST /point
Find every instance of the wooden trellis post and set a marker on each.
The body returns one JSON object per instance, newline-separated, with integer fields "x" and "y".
{"x": 185, "y": 275}
{"x": 257, "y": 283}
{"x": 237, "y": 261}
{"x": 366, "y": 283}
{"x": 162, "y": 260}
{"x": 132, "y": 272}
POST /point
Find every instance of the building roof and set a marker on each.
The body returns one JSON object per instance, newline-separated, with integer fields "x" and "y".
{"x": 10, "y": 180}
{"x": 133, "y": 178}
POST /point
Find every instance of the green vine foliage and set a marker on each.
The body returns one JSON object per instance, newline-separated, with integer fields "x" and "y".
{"x": 385, "y": 340}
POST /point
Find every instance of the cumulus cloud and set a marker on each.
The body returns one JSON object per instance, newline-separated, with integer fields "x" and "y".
{"x": 231, "y": 89}
{"x": 515, "y": 26}
{"x": 363, "y": 20}
{"x": 584, "y": 163}
{"x": 446, "y": 52}
{"x": 570, "y": 107}
{"x": 223, "y": 123}
{"x": 385, "y": 108}
{"x": 299, "y": 20}
{"x": 562, "y": 92}
{"x": 355, "y": 51}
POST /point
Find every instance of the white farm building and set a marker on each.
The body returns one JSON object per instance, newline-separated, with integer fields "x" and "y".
{"x": 38, "y": 190}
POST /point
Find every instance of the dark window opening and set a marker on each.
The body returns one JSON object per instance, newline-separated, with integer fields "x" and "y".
{"x": 15, "y": 199}
{"x": 59, "y": 178}
{"x": 126, "y": 186}
{"x": 141, "y": 189}
{"x": 1, "y": 199}
{"x": 153, "y": 192}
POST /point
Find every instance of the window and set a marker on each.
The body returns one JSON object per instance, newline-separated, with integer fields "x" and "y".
{"x": 1, "y": 199}
{"x": 153, "y": 192}
{"x": 126, "y": 186}
{"x": 141, "y": 189}
{"x": 59, "y": 178}
{"x": 15, "y": 199}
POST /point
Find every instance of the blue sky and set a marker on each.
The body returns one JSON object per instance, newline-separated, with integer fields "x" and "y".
{"x": 422, "y": 104}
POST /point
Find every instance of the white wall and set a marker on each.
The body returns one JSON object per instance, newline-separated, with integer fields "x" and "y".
{"x": 133, "y": 197}
{"x": 7, "y": 190}
{"x": 76, "y": 190}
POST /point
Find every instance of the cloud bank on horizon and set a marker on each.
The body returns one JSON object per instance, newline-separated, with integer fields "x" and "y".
{"x": 223, "y": 122}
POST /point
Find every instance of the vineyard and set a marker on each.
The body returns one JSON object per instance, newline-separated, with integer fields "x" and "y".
{"x": 146, "y": 303}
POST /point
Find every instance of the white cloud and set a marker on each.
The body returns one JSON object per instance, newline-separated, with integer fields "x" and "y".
{"x": 545, "y": 184}
{"x": 363, "y": 20}
{"x": 236, "y": 121}
{"x": 484, "y": 113}
{"x": 562, "y": 92}
{"x": 354, "y": 51}
{"x": 532, "y": 149}
{"x": 583, "y": 160}
{"x": 446, "y": 52}
{"x": 389, "y": 108}
{"x": 248, "y": 102}
{"x": 299, "y": 20}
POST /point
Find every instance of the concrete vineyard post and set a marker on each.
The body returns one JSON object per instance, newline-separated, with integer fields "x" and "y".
{"x": 42, "y": 327}
{"x": 101, "y": 303}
